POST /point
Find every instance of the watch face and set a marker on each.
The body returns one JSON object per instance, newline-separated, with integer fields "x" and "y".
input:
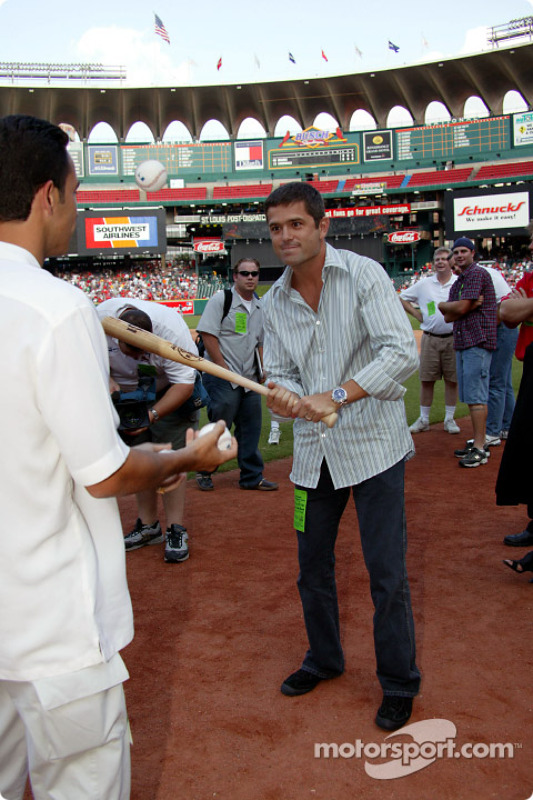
{"x": 339, "y": 395}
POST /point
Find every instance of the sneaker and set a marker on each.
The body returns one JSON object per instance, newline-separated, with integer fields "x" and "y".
{"x": 143, "y": 534}
{"x": 263, "y": 486}
{"x": 419, "y": 426}
{"x": 504, "y": 434}
{"x": 475, "y": 458}
{"x": 203, "y": 479}
{"x": 490, "y": 441}
{"x": 394, "y": 712}
{"x": 177, "y": 544}
{"x": 468, "y": 449}
{"x": 274, "y": 437}
{"x": 451, "y": 426}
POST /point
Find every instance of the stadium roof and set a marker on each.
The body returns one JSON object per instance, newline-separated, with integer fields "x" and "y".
{"x": 488, "y": 75}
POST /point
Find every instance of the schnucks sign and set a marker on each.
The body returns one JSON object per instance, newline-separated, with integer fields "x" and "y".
{"x": 404, "y": 237}
{"x": 492, "y": 211}
{"x": 208, "y": 245}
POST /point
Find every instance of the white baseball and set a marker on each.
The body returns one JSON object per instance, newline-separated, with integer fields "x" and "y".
{"x": 151, "y": 176}
{"x": 224, "y": 440}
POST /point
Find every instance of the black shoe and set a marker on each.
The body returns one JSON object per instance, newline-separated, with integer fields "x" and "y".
{"x": 468, "y": 449}
{"x": 474, "y": 458}
{"x": 522, "y": 565}
{"x": 524, "y": 539}
{"x": 394, "y": 712}
{"x": 263, "y": 486}
{"x": 300, "y": 682}
{"x": 203, "y": 479}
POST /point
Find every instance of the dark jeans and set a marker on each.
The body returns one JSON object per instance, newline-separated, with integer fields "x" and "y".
{"x": 501, "y": 395}
{"x": 243, "y": 409}
{"x": 379, "y": 503}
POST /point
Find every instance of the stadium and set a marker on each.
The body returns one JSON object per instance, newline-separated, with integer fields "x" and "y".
{"x": 392, "y": 193}
{"x": 210, "y": 648}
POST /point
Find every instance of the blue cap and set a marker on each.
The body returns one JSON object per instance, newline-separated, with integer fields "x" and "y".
{"x": 464, "y": 242}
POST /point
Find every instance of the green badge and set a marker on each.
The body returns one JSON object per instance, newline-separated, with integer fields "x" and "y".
{"x": 300, "y": 505}
{"x": 431, "y": 308}
{"x": 241, "y": 322}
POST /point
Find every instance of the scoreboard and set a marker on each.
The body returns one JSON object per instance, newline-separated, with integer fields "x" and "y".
{"x": 296, "y": 157}
{"x": 180, "y": 159}
{"x": 449, "y": 140}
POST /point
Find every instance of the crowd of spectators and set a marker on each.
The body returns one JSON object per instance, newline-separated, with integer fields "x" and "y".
{"x": 512, "y": 271}
{"x": 150, "y": 282}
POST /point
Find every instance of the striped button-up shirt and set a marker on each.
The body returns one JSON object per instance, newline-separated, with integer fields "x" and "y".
{"x": 360, "y": 331}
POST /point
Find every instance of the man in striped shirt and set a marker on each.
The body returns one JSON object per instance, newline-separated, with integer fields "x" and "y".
{"x": 337, "y": 340}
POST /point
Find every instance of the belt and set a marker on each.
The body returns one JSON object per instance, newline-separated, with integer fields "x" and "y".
{"x": 439, "y": 335}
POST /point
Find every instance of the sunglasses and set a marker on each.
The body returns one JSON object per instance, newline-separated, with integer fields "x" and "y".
{"x": 247, "y": 274}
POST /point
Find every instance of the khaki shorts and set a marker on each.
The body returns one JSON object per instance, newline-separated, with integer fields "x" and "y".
{"x": 437, "y": 359}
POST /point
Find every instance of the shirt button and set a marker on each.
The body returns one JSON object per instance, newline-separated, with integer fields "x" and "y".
{"x": 323, "y": 435}
{"x": 318, "y": 322}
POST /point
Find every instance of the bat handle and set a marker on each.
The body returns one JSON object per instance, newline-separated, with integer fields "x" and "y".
{"x": 330, "y": 419}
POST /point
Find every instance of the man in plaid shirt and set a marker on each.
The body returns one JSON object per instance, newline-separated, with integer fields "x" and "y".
{"x": 472, "y": 308}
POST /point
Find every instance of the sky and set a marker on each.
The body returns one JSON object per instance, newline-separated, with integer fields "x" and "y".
{"x": 253, "y": 40}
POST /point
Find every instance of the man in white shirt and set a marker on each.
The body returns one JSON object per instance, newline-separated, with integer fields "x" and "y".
{"x": 66, "y": 611}
{"x": 437, "y": 356}
{"x": 169, "y": 416}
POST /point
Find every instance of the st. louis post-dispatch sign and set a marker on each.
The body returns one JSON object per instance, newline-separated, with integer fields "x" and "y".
{"x": 491, "y": 212}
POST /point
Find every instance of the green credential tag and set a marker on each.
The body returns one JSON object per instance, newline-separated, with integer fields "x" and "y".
{"x": 431, "y": 308}
{"x": 241, "y": 322}
{"x": 300, "y": 506}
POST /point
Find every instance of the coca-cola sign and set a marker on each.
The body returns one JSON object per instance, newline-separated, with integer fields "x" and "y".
{"x": 404, "y": 237}
{"x": 208, "y": 245}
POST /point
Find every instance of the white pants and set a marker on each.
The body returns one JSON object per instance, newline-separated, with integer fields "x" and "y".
{"x": 80, "y": 749}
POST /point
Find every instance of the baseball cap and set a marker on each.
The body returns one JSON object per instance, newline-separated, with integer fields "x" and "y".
{"x": 464, "y": 242}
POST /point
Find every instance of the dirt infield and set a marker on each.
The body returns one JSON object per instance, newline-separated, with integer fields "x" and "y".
{"x": 216, "y": 635}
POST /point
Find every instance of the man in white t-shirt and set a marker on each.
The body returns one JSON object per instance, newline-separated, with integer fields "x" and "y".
{"x": 66, "y": 611}
{"x": 437, "y": 356}
{"x": 169, "y": 416}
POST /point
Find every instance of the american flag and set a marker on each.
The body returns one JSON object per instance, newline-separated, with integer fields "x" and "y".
{"x": 160, "y": 29}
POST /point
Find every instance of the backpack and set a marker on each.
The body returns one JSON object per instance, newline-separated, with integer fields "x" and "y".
{"x": 199, "y": 342}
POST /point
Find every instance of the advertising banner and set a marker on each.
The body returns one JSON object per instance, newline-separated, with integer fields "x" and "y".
{"x": 97, "y": 234}
{"x": 377, "y": 146}
{"x": 102, "y": 160}
{"x": 491, "y": 212}
{"x": 248, "y": 155}
{"x": 523, "y": 128}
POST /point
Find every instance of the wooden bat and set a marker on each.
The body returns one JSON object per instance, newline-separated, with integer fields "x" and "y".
{"x": 144, "y": 340}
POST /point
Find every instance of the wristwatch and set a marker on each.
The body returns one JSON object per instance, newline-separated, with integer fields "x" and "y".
{"x": 339, "y": 396}
{"x": 154, "y": 414}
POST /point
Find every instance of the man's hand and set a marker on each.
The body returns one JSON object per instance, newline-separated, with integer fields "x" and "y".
{"x": 314, "y": 407}
{"x": 281, "y": 401}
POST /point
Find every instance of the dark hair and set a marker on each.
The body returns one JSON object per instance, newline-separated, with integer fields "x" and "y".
{"x": 32, "y": 152}
{"x": 134, "y": 316}
{"x": 295, "y": 192}
{"x": 242, "y": 260}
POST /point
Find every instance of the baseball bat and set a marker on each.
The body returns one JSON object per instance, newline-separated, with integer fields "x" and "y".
{"x": 145, "y": 340}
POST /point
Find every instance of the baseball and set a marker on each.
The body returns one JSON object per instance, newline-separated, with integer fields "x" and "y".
{"x": 224, "y": 441}
{"x": 150, "y": 176}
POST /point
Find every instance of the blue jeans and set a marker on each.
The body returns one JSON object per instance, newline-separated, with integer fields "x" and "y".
{"x": 501, "y": 394}
{"x": 379, "y": 502}
{"x": 473, "y": 372}
{"x": 243, "y": 409}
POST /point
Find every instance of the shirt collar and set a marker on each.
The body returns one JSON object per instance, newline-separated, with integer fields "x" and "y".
{"x": 332, "y": 259}
{"x": 12, "y": 252}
